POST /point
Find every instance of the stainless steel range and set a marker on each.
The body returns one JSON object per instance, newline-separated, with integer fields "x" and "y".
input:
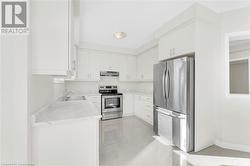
{"x": 112, "y": 102}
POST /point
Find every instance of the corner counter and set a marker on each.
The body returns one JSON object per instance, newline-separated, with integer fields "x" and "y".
{"x": 66, "y": 133}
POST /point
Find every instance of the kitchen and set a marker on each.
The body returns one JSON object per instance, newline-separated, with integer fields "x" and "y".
{"x": 90, "y": 88}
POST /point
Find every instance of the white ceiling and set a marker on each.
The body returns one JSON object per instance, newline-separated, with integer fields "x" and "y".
{"x": 138, "y": 18}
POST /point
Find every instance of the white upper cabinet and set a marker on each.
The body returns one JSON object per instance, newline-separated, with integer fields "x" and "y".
{"x": 91, "y": 62}
{"x": 145, "y": 62}
{"x": 88, "y": 66}
{"x": 177, "y": 42}
{"x": 51, "y": 37}
{"x": 127, "y": 68}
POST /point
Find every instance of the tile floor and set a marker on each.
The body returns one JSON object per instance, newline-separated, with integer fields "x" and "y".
{"x": 129, "y": 142}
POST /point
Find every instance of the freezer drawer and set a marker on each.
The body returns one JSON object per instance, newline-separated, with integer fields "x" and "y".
{"x": 177, "y": 129}
{"x": 165, "y": 127}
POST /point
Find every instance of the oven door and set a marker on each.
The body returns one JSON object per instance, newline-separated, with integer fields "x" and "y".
{"x": 111, "y": 103}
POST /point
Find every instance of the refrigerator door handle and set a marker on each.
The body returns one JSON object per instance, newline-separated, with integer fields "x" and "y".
{"x": 164, "y": 84}
{"x": 168, "y": 84}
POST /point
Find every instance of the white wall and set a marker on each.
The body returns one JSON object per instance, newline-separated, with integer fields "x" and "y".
{"x": 15, "y": 126}
{"x": 233, "y": 111}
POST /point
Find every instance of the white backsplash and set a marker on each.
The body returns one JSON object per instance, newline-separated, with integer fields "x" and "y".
{"x": 145, "y": 87}
{"x": 124, "y": 87}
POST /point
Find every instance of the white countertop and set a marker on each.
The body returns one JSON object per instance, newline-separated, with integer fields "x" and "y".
{"x": 67, "y": 110}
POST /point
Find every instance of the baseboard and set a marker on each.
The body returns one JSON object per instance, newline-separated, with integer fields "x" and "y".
{"x": 232, "y": 146}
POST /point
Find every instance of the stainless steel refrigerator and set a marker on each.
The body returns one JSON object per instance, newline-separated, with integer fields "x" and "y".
{"x": 174, "y": 101}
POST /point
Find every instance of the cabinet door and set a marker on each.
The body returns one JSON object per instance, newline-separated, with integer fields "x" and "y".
{"x": 147, "y": 109}
{"x": 50, "y": 37}
{"x": 88, "y": 67}
{"x": 74, "y": 33}
{"x": 123, "y": 68}
{"x": 183, "y": 41}
{"x": 148, "y": 112}
{"x": 128, "y": 68}
{"x": 137, "y": 105}
{"x": 128, "y": 104}
{"x": 145, "y": 63}
{"x": 165, "y": 45}
{"x": 104, "y": 62}
{"x": 131, "y": 68}
{"x": 140, "y": 66}
{"x": 177, "y": 42}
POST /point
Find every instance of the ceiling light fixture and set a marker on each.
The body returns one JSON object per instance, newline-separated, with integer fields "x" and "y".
{"x": 120, "y": 35}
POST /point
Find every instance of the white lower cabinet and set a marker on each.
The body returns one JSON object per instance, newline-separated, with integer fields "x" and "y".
{"x": 71, "y": 142}
{"x": 128, "y": 104}
{"x": 144, "y": 108}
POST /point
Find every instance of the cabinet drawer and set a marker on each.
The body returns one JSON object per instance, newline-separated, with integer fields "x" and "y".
{"x": 146, "y": 112}
{"x": 148, "y": 116}
{"x": 149, "y": 112}
{"x": 147, "y": 99}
